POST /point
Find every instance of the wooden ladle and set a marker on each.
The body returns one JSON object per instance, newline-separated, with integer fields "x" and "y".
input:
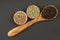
{"x": 48, "y": 13}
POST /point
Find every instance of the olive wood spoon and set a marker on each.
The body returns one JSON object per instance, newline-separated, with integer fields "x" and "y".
{"x": 42, "y": 17}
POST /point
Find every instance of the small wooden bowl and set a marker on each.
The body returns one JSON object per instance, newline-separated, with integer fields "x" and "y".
{"x": 32, "y": 11}
{"x": 20, "y": 17}
{"x": 49, "y": 12}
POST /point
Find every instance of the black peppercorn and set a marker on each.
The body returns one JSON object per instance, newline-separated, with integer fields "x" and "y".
{"x": 49, "y": 12}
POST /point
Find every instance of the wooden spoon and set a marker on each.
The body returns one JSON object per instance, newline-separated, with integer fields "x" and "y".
{"x": 48, "y": 13}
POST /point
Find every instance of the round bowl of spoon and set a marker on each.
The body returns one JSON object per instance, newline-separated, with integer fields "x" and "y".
{"x": 32, "y": 11}
{"x": 20, "y": 17}
{"x": 48, "y": 13}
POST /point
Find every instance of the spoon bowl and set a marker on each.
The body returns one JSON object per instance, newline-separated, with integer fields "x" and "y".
{"x": 49, "y": 12}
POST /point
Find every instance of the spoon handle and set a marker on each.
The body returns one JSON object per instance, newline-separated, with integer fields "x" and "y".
{"x": 18, "y": 29}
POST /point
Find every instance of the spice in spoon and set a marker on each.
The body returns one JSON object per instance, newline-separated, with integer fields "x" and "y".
{"x": 49, "y": 12}
{"x": 20, "y": 17}
{"x": 32, "y": 11}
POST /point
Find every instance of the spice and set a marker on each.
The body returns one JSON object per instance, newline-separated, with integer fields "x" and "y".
{"x": 20, "y": 17}
{"x": 32, "y": 11}
{"x": 49, "y": 12}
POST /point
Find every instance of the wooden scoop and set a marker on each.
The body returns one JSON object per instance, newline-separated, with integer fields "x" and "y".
{"x": 48, "y": 13}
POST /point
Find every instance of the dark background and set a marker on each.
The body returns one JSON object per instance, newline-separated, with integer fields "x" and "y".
{"x": 46, "y": 30}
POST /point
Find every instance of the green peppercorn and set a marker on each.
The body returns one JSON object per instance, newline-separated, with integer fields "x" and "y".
{"x": 32, "y": 11}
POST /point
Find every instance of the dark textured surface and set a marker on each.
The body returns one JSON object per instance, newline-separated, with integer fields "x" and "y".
{"x": 46, "y": 30}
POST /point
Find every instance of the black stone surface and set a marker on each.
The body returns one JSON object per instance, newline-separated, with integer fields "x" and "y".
{"x": 45, "y": 30}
